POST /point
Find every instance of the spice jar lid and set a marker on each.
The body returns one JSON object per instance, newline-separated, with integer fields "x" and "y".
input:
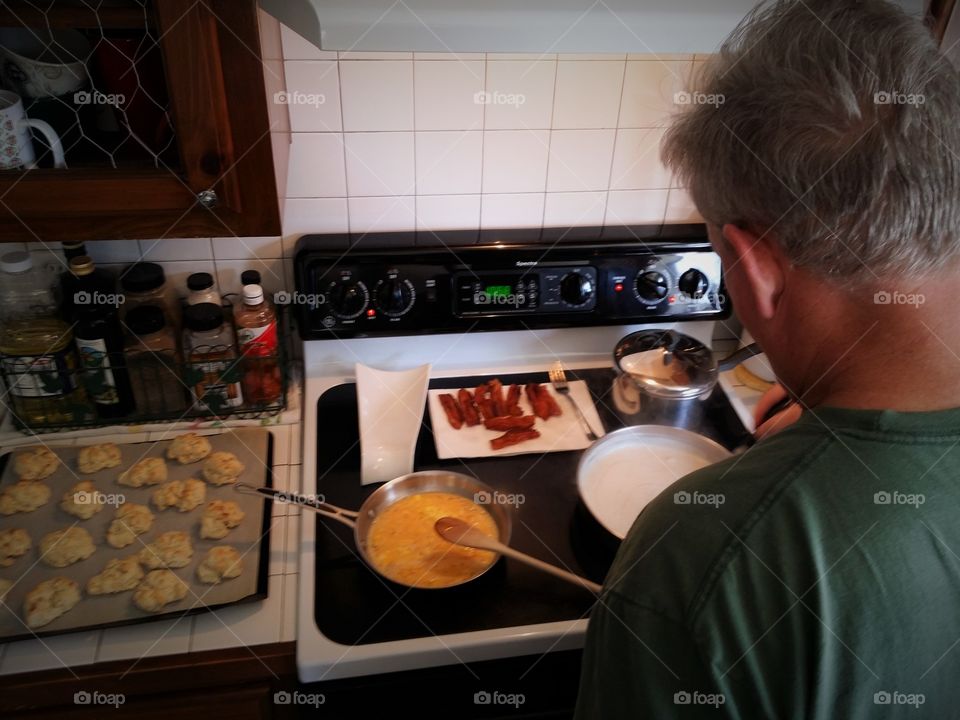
{"x": 200, "y": 281}
{"x": 250, "y": 277}
{"x": 16, "y": 261}
{"x": 203, "y": 317}
{"x": 145, "y": 319}
{"x": 81, "y": 265}
{"x": 667, "y": 364}
{"x": 142, "y": 276}
{"x": 252, "y": 294}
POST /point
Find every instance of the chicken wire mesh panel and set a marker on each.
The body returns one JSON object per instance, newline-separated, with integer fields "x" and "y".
{"x": 93, "y": 73}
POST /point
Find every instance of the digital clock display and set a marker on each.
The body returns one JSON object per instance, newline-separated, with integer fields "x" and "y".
{"x": 498, "y": 290}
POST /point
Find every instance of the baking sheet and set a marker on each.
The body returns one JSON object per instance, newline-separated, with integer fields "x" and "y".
{"x": 563, "y": 432}
{"x": 252, "y": 446}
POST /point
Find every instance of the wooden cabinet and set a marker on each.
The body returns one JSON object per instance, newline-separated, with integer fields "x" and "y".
{"x": 202, "y": 168}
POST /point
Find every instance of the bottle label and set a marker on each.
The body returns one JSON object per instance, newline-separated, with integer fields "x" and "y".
{"x": 258, "y": 341}
{"x": 97, "y": 376}
{"x": 49, "y": 375}
{"x": 214, "y": 384}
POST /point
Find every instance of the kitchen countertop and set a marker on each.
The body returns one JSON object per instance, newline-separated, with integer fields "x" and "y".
{"x": 258, "y": 623}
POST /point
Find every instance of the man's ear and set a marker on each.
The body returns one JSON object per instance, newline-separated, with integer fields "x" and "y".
{"x": 759, "y": 264}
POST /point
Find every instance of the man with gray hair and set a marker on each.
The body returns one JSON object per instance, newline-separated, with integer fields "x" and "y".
{"x": 827, "y": 584}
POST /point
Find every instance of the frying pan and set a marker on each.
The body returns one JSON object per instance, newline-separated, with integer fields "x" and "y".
{"x": 425, "y": 481}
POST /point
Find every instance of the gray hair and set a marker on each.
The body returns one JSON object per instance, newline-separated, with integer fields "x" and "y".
{"x": 835, "y": 126}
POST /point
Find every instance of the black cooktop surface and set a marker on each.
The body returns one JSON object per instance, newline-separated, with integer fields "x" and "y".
{"x": 354, "y": 605}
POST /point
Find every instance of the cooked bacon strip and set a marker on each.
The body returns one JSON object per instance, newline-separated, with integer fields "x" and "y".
{"x": 513, "y": 437}
{"x": 513, "y": 401}
{"x": 471, "y": 413}
{"x": 507, "y": 422}
{"x": 484, "y": 402}
{"x": 452, "y": 409}
{"x": 538, "y": 401}
{"x": 496, "y": 394}
{"x": 551, "y": 402}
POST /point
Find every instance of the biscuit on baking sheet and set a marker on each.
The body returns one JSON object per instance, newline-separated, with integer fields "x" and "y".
{"x": 131, "y": 520}
{"x": 35, "y": 463}
{"x": 188, "y": 448}
{"x": 149, "y": 471}
{"x": 97, "y": 457}
{"x": 81, "y": 500}
{"x": 119, "y": 575}
{"x": 159, "y": 588}
{"x": 221, "y": 563}
{"x": 184, "y": 495}
{"x": 222, "y": 468}
{"x": 49, "y": 600}
{"x": 5, "y": 586}
{"x": 171, "y": 549}
{"x": 23, "y": 496}
{"x": 14, "y": 542}
{"x": 65, "y": 547}
{"x": 219, "y": 517}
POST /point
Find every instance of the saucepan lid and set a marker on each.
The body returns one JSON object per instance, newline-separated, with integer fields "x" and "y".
{"x": 666, "y": 363}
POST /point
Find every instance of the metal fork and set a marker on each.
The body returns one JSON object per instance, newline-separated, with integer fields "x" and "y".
{"x": 558, "y": 378}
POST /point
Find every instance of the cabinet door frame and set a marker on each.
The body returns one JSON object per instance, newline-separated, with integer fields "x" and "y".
{"x": 218, "y": 105}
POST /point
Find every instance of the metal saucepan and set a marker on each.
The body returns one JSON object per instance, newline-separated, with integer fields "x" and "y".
{"x": 425, "y": 481}
{"x": 665, "y": 377}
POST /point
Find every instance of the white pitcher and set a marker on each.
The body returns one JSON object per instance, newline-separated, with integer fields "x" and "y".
{"x": 16, "y": 146}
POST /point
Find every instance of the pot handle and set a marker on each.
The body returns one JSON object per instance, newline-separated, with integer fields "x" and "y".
{"x": 744, "y": 353}
{"x": 321, "y": 507}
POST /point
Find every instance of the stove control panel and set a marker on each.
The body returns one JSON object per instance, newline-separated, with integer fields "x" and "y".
{"x": 408, "y": 291}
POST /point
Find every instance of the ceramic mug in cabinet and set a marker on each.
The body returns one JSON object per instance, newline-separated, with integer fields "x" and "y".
{"x": 16, "y": 145}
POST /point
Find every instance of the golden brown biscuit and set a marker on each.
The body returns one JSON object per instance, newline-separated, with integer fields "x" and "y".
{"x": 97, "y": 457}
{"x": 14, "y": 542}
{"x": 171, "y": 549}
{"x": 82, "y": 500}
{"x": 49, "y": 600}
{"x": 219, "y": 517}
{"x": 65, "y": 547}
{"x": 35, "y": 463}
{"x": 131, "y": 520}
{"x": 117, "y": 576}
{"x": 222, "y": 468}
{"x": 221, "y": 563}
{"x": 23, "y": 496}
{"x": 149, "y": 471}
{"x": 188, "y": 448}
{"x": 159, "y": 588}
{"x": 184, "y": 495}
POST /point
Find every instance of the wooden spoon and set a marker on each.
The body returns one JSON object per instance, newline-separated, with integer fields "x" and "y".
{"x": 459, "y": 533}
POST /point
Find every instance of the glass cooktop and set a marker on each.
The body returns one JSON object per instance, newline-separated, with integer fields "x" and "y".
{"x": 354, "y": 605}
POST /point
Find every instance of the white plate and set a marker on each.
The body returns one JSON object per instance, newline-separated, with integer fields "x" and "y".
{"x": 390, "y": 405}
{"x": 625, "y": 470}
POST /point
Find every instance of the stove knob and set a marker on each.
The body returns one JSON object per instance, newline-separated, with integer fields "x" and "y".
{"x": 693, "y": 283}
{"x": 576, "y": 289}
{"x": 651, "y": 286}
{"x": 394, "y": 296}
{"x": 347, "y": 298}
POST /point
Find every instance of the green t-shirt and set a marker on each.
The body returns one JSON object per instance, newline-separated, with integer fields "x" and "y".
{"x": 815, "y": 576}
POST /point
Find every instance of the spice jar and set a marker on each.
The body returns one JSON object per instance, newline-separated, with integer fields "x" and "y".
{"x": 144, "y": 283}
{"x": 201, "y": 289}
{"x": 212, "y": 366}
{"x": 153, "y": 363}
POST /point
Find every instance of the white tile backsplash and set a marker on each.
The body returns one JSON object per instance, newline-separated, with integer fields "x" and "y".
{"x": 448, "y": 212}
{"x": 448, "y": 94}
{"x": 240, "y": 248}
{"x": 381, "y": 214}
{"x": 636, "y": 161}
{"x": 563, "y": 208}
{"x": 316, "y": 166}
{"x": 519, "y": 94}
{"x": 635, "y": 207}
{"x": 515, "y": 160}
{"x": 650, "y": 89}
{"x": 171, "y": 249}
{"x": 379, "y": 163}
{"x": 588, "y": 94}
{"x": 449, "y": 163}
{"x": 580, "y": 160}
{"x": 312, "y": 96}
{"x": 512, "y": 210}
{"x": 376, "y": 95}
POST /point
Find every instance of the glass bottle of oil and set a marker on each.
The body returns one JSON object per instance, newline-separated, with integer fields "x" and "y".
{"x": 37, "y": 355}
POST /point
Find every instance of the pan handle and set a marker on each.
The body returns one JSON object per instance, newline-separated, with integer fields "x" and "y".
{"x": 321, "y": 507}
